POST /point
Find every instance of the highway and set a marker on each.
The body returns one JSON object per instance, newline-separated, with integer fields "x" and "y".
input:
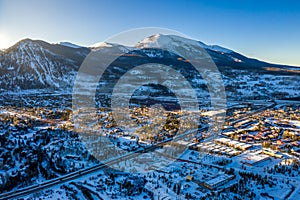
{"x": 255, "y": 112}
{"x": 74, "y": 175}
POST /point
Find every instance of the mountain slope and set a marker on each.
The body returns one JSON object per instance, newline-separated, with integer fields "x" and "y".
{"x": 221, "y": 56}
{"x": 37, "y": 65}
{"x": 34, "y": 64}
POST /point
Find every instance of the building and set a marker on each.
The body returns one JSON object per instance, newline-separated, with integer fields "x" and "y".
{"x": 189, "y": 178}
{"x": 233, "y": 153}
{"x": 218, "y": 181}
{"x": 271, "y": 153}
{"x": 253, "y": 160}
{"x": 243, "y": 146}
{"x": 228, "y": 134}
{"x": 232, "y": 143}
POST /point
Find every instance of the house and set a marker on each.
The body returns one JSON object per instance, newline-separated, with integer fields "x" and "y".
{"x": 189, "y": 178}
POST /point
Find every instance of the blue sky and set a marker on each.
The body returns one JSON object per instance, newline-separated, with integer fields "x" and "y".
{"x": 267, "y": 30}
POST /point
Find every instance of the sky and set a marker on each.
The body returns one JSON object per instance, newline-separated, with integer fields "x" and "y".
{"x": 266, "y": 30}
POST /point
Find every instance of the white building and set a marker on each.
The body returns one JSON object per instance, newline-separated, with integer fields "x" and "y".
{"x": 218, "y": 181}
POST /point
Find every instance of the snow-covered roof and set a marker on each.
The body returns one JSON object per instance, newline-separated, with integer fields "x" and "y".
{"x": 218, "y": 179}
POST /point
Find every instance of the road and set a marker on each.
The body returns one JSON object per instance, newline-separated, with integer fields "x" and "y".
{"x": 253, "y": 113}
{"x": 83, "y": 172}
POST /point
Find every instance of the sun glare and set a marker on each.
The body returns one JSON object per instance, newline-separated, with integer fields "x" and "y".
{"x": 4, "y": 41}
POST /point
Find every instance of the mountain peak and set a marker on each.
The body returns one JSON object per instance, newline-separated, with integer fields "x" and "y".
{"x": 100, "y": 45}
{"x": 159, "y": 39}
{"x": 24, "y": 43}
{"x": 69, "y": 44}
{"x": 26, "y": 40}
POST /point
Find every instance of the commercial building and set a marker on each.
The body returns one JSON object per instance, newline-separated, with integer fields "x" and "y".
{"x": 218, "y": 181}
{"x": 232, "y": 143}
{"x": 253, "y": 160}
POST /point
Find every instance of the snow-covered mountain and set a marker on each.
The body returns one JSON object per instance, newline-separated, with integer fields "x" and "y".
{"x": 35, "y": 64}
{"x": 221, "y": 56}
{"x": 69, "y": 44}
{"x": 174, "y": 40}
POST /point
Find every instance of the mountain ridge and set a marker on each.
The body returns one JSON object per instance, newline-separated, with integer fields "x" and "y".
{"x": 36, "y": 64}
{"x": 213, "y": 47}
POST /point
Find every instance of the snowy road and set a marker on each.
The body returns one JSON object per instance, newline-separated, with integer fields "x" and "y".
{"x": 78, "y": 174}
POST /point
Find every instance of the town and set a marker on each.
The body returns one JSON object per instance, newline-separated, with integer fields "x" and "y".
{"x": 256, "y": 154}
